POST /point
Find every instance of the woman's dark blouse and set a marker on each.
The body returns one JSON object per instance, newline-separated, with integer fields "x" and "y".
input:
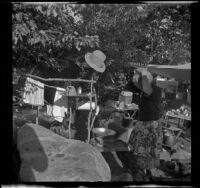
{"x": 149, "y": 105}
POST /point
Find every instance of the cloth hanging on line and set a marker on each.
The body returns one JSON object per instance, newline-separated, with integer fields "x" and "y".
{"x": 189, "y": 96}
{"x": 33, "y": 92}
{"x": 49, "y": 110}
{"x": 60, "y": 105}
{"x": 49, "y": 94}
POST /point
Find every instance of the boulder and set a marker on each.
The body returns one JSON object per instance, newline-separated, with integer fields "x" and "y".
{"x": 47, "y": 156}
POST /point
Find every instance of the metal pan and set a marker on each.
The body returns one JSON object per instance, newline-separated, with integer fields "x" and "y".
{"x": 101, "y": 131}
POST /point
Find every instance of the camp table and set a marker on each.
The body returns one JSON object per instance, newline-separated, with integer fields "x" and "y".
{"x": 119, "y": 144}
{"x": 179, "y": 117}
{"x": 126, "y": 110}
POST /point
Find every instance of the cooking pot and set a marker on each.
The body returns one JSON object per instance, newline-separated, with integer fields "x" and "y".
{"x": 169, "y": 139}
{"x": 126, "y": 97}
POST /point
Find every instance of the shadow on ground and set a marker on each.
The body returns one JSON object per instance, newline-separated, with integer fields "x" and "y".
{"x": 32, "y": 154}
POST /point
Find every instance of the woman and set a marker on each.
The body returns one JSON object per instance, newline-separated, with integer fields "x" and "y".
{"x": 145, "y": 142}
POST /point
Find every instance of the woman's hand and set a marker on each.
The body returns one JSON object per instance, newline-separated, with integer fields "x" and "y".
{"x": 143, "y": 82}
{"x": 135, "y": 79}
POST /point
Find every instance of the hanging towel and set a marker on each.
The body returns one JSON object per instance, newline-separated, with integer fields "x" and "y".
{"x": 49, "y": 110}
{"x": 33, "y": 92}
{"x": 188, "y": 97}
{"x": 60, "y": 105}
{"x": 49, "y": 94}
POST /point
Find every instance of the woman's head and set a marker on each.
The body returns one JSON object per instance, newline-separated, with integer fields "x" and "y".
{"x": 140, "y": 76}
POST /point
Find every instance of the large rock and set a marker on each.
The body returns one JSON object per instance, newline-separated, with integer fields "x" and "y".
{"x": 47, "y": 156}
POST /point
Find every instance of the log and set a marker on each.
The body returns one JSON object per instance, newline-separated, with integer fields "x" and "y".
{"x": 47, "y": 156}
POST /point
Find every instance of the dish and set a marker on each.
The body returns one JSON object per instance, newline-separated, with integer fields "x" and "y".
{"x": 132, "y": 106}
{"x": 101, "y": 131}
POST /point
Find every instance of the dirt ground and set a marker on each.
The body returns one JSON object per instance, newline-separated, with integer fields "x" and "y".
{"x": 118, "y": 171}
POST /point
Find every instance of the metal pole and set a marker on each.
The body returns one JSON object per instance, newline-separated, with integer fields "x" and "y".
{"x": 70, "y": 116}
{"x": 37, "y": 115}
{"x": 90, "y": 113}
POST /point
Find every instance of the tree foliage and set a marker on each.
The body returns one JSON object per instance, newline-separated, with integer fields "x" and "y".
{"x": 52, "y": 34}
{"x": 45, "y": 35}
{"x": 140, "y": 33}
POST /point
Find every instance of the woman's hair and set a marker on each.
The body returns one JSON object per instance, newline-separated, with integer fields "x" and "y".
{"x": 154, "y": 79}
{"x": 139, "y": 82}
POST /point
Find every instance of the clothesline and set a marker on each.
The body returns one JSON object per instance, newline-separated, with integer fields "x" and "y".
{"x": 60, "y": 79}
{"x": 47, "y": 86}
{"x": 57, "y": 88}
{"x": 90, "y": 116}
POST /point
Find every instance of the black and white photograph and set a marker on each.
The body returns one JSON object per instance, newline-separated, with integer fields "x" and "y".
{"x": 101, "y": 92}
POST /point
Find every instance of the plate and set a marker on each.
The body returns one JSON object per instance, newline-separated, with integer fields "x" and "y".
{"x": 133, "y": 105}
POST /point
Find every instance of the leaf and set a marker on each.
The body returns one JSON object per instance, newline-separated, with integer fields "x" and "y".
{"x": 48, "y": 12}
{"x": 78, "y": 48}
{"x": 43, "y": 42}
{"x": 19, "y": 17}
{"x": 54, "y": 13}
{"x": 39, "y": 8}
{"x": 75, "y": 33}
{"x": 58, "y": 43}
{"x": 91, "y": 45}
{"x": 63, "y": 39}
{"x": 15, "y": 39}
{"x": 140, "y": 8}
{"x": 82, "y": 43}
{"x": 20, "y": 37}
{"x": 24, "y": 30}
{"x": 77, "y": 44}
{"x": 32, "y": 24}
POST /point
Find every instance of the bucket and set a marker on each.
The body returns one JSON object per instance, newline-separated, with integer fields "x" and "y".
{"x": 126, "y": 97}
{"x": 168, "y": 139}
{"x": 126, "y": 122}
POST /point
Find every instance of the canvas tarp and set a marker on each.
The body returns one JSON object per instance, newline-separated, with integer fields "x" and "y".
{"x": 47, "y": 156}
{"x": 182, "y": 72}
